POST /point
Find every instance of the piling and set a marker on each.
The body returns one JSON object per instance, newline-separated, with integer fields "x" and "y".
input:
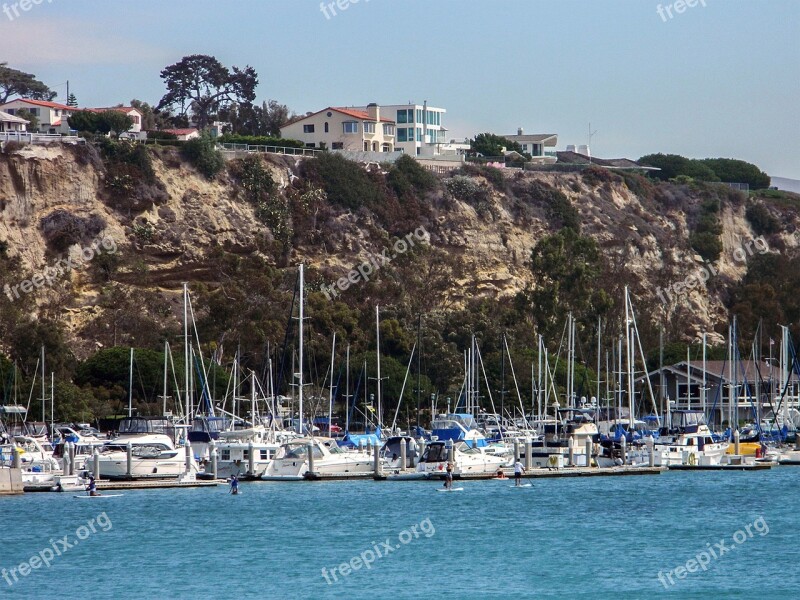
{"x": 16, "y": 459}
{"x": 403, "y": 454}
{"x": 624, "y": 449}
{"x": 66, "y": 459}
{"x": 72, "y": 450}
{"x": 188, "y": 448}
{"x": 571, "y": 451}
{"x": 213, "y": 452}
{"x": 528, "y": 454}
{"x": 129, "y": 453}
{"x": 736, "y": 442}
{"x": 376, "y": 461}
{"x": 421, "y": 448}
{"x": 589, "y": 452}
{"x": 451, "y": 454}
{"x": 310, "y": 454}
{"x": 369, "y": 447}
{"x": 96, "y": 467}
{"x": 651, "y": 450}
{"x": 251, "y": 460}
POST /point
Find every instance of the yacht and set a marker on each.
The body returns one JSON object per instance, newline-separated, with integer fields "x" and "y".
{"x": 292, "y": 461}
{"x": 457, "y": 427}
{"x": 154, "y": 454}
{"x": 467, "y": 460}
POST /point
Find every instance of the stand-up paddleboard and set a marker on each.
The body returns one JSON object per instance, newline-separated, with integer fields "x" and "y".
{"x": 524, "y": 485}
{"x": 101, "y": 496}
{"x": 458, "y": 489}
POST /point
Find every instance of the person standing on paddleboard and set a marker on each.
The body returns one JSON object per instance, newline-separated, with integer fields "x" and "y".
{"x": 448, "y": 478}
{"x": 92, "y": 487}
{"x": 234, "y": 485}
{"x": 518, "y": 469}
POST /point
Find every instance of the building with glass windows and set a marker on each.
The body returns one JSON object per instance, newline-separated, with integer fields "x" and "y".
{"x": 420, "y": 128}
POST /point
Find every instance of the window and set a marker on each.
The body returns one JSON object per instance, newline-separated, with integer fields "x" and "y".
{"x": 401, "y": 135}
{"x": 337, "y": 146}
{"x": 11, "y": 111}
{"x": 419, "y": 134}
{"x": 308, "y": 128}
{"x": 350, "y": 126}
{"x": 369, "y": 127}
{"x": 135, "y": 119}
{"x": 329, "y": 114}
{"x": 388, "y": 129}
{"x": 402, "y": 116}
{"x": 311, "y": 145}
{"x": 419, "y": 115}
{"x": 226, "y": 454}
{"x": 326, "y": 127}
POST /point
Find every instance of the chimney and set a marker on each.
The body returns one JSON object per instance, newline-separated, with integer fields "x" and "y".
{"x": 374, "y": 111}
{"x": 519, "y": 131}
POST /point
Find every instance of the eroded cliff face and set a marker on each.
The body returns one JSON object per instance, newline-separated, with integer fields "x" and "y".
{"x": 646, "y": 238}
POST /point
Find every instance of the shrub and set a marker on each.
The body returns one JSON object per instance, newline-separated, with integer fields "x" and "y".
{"x": 256, "y": 140}
{"x": 761, "y": 220}
{"x": 62, "y": 229}
{"x": 492, "y": 174}
{"x": 203, "y": 154}
{"x": 344, "y": 181}
{"x": 407, "y": 176}
{"x": 597, "y": 175}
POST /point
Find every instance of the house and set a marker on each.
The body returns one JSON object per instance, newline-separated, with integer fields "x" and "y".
{"x": 348, "y": 129}
{"x": 535, "y": 144}
{"x": 12, "y": 124}
{"x": 134, "y": 113}
{"x": 724, "y": 390}
{"x": 183, "y": 134}
{"x": 420, "y": 129}
{"x": 52, "y": 115}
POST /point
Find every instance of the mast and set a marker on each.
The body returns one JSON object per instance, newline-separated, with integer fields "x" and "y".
{"x": 52, "y": 404}
{"x": 130, "y": 386}
{"x": 235, "y": 384}
{"x": 688, "y": 380}
{"x": 703, "y": 391}
{"x": 347, "y": 391}
{"x": 186, "y": 353}
{"x": 300, "y": 374}
{"x": 330, "y": 395}
{"x": 419, "y": 359}
{"x": 378, "y": 361}
{"x": 252, "y": 397}
{"x": 629, "y": 352}
{"x": 599, "y": 352}
{"x": 164, "y": 397}
{"x": 44, "y": 414}
{"x": 539, "y": 381}
{"x": 503, "y": 382}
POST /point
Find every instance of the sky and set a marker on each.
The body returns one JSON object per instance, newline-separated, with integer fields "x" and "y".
{"x": 720, "y": 78}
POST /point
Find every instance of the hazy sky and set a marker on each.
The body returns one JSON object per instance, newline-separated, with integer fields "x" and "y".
{"x": 719, "y": 79}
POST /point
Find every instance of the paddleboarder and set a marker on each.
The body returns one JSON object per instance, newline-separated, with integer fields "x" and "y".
{"x": 92, "y": 487}
{"x": 448, "y": 477}
{"x": 234, "y": 485}
{"x": 518, "y": 469}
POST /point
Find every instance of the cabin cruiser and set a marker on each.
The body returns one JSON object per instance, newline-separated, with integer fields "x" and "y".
{"x": 467, "y": 460}
{"x": 391, "y": 452}
{"x": 153, "y": 451}
{"x": 457, "y": 427}
{"x": 688, "y": 441}
{"x": 293, "y": 461}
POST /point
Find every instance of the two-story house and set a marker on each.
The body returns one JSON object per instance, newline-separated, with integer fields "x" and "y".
{"x": 347, "y": 129}
{"x": 134, "y": 113}
{"x": 420, "y": 128}
{"x": 52, "y": 115}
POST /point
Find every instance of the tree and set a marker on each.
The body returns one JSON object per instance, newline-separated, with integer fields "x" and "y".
{"x": 201, "y": 84}
{"x": 737, "y": 171}
{"x": 25, "y": 85}
{"x": 72, "y": 100}
{"x": 489, "y": 144}
{"x": 273, "y": 117}
{"x": 116, "y": 121}
{"x": 152, "y": 119}
{"x": 33, "y": 120}
{"x": 102, "y": 122}
{"x": 675, "y": 165}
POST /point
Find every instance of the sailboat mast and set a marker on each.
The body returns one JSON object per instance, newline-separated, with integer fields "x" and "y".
{"x": 378, "y": 361}
{"x": 44, "y": 413}
{"x": 164, "y": 397}
{"x": 130, "y": 385}
{"x": 300, "y": 374}
{"x": 330, "y": 395}
{"x": 186, "y": 353}
{"x": 629, "y": 352}
{"x": 347, "y": 391}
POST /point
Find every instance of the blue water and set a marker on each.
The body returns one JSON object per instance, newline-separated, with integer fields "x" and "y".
{"x": 602, "y": 537}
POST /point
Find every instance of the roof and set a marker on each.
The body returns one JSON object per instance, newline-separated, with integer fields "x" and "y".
{"x": 536, "y": 138}
{"x": 7, "y": 118}
{"x": 42, "y": 103}
{"x": 125, "y": 109}
{"x": 350, "y": 112}
{"x": 719, "y": 370}
{"x": 180, "y": 131}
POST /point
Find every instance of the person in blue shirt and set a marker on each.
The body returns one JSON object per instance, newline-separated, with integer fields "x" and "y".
{"x": 234, "y": 485}
{"x": 92, "y": 488}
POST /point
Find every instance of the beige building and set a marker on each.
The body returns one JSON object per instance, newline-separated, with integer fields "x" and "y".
{"x": 11, "y": 124}
{"x": 346, "y": 129}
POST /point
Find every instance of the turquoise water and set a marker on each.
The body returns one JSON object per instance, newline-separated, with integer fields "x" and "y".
{"x": 602, "y": 537}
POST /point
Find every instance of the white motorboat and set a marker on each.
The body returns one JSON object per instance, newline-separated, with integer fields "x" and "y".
{"x": 153, "y": 452}
{"x": 292, "y": 462}
{"x": 466, "y": 459}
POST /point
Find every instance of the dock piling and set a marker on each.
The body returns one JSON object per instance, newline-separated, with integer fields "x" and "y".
{"x": 251, "y": 460}
{"x": 376, "y": 460}
{"x": 96, "y": 466}
{"x": 624, "y": 449}
{"x": 589, "y": 452}
{"x": 213, "y": 452}
{"x": 129, "y": 454}
{"x": 571, "y": 451}
{"x": 310, "y": 454}
{"x": 403, "y": 454}
{"x": 528, "y": 454}
{"x": 736, "y": 442}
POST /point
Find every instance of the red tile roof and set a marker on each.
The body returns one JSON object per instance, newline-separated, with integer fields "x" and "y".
{"x": 358, "y": 114}
{"x": 43, "y": 103}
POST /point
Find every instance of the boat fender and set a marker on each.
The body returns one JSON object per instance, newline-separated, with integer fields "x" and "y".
{"x": 692, "y": 460}
{"x": 552, "y": 461}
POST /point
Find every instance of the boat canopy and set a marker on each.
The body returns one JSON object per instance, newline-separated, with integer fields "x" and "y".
{"x": 354, "y": 440}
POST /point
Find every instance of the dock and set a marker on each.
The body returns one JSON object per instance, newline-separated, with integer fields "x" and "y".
{"x": 743, "y": 467}
{"x": 530, "y": 474}
{"x": 152, "y": 484}
{"x": 10, "y": 482}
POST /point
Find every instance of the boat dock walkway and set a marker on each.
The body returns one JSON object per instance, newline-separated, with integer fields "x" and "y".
{"x": 742, "y": 467}
{"x": 530, "y": 474}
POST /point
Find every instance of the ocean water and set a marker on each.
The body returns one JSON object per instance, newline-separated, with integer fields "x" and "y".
{"x": 600, "y": 537}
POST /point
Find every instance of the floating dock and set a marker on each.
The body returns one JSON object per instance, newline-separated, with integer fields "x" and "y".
{"x": 743, "y": 467}
{"x": 10, "y": 482}
{"x": 530, "y": 474}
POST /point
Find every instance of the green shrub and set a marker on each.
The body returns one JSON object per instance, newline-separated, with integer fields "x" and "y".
{"x": 256, "y": 140}
{"x": 203, "y": 154}
{"x": 761, "y": 220}
{"x": 344, "y": 181}
{"x": 407, "y": 176}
